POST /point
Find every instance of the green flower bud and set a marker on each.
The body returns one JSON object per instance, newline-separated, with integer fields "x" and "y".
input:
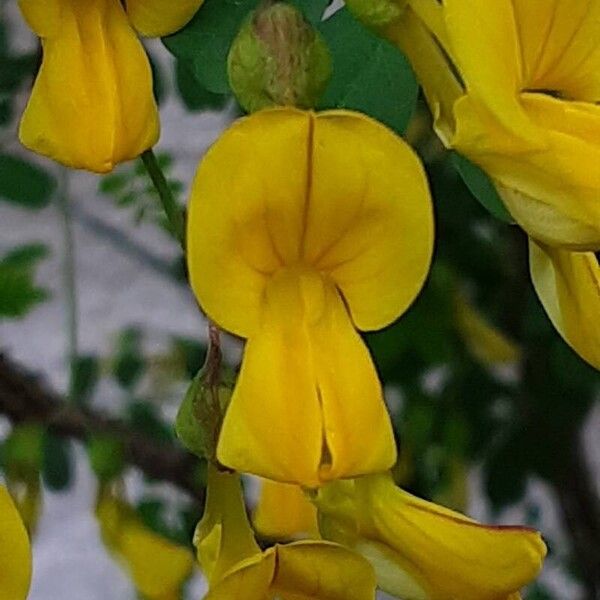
{"x": 278, "y": 59}
{"x": 200, "y": 415}
{"x": 377, "y": 14}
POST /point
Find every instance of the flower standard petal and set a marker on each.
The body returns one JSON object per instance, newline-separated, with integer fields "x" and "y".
{"x": 370, "y": 220}
{"x": 155, "y": 18}
{"x": 559, "y": 45}
{"x": 245, "y": 214}
{"x": 92, "y": 104}
{"x": 568, "y": 285}
{"x": 15, "y": 551}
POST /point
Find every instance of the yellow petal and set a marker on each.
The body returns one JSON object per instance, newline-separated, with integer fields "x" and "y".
{"x": 422, "y": 551}
{"x": 92, "y": 105}
{"x": 357, "y": 430}
{"x": 155, "y": 18}
{"x": 559, "y": 44}
{"x": 15, "y": 551}
{"x": 485, "y": 47}
{"x": 564, "y": 175}
{"x": 369, "y": 221}
{"x": 568, "y": 285}
{"x": 245, "y": 214}
{"x": 283, "y": 511}
{"x": 335, "y": 190}
{"x": 317, "y": 569}
{"x": 248, "y": 580}
{"x": 431, "y": 66}
{"x": 158, "y": 567}
{"x": 301, "y": 413}
{"x": 273, "y": 426}
{"x": 450, "y": 555}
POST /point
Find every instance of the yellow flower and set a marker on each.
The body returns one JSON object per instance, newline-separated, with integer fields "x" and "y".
{"x": 422, "y": 551}
{"x": 15, "y": 551}
{"x": 298, "y": 571}
{"x": 284, "y": 512}
{"x": 303, "y": 227}
{"x": 525, "y": 110}
{"x": 92, "y": 104}
{"x": 157, "y": 566}
{"x": 236, "y": 568}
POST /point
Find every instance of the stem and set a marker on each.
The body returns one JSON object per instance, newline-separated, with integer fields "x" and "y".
{"x": 172, "y": 209}
{"x": 25, "y": 398}
{"x": 69, "y": 283}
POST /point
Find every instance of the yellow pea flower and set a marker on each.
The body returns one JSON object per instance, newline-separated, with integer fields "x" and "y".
{"x": 284, "y": 512}
{"x": 302, "y": 228}
{"x": 158, "y": 567}
{"x": 422, "y": 551}
{"x": 15, "y": 551}
{"x": 525, "y": 109}
{"x": 92, "y": 104}
{"x": 236, "y": 568}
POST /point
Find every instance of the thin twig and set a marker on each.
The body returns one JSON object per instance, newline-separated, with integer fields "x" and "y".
{"x": 24, "y": 398}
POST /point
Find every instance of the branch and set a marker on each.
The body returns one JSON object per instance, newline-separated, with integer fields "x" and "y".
{"x": 25, "y": 399}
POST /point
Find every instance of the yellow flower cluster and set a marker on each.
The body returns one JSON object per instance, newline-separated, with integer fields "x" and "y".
{"x": 514, "y": 85}
{"x": 305, "y": 228}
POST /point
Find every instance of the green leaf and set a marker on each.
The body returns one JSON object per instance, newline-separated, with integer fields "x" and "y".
{"x": 481, "y": 186}
{"x": 193, "y": 94}
{"x": 106, "y": 456}
{"x": 14, "y": 70}
{"x": 23, "y": 183}
{"x": 129, "y": 363}
{"x": 144, "y": 418}
{"x": 23, "y": 450}
{"x": 114, "y": 182}
{"x": 369, "y": 74}
{"x": 57, "y": 468}
{"x": 85, "y": 372}
{"x": 205, "y": 41}
{"x": 312, "y": 9}
{"x": 18, "y": 292}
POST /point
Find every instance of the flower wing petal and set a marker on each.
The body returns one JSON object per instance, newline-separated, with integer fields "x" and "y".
{"x": 318, "y": 569}
{"x": 248, "y": 580}
{"x": 450, "y": 554}
{"x": 568, "y": 285}
{"x": 357, "y": 427}
{"x": 155, "y": 18}
{"x": 92, "y": 105}
{"x": 274, "y": 426}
